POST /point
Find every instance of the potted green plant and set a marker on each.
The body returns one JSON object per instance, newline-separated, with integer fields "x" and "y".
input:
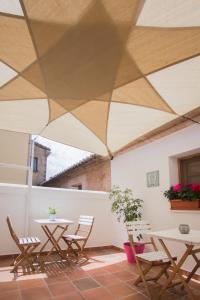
{"x": 127, "y": 209}
{"x": 184, "y": 197}
{"x": 52, "y": 213}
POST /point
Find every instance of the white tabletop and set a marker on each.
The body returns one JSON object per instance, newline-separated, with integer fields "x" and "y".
{"x": 55, "y": 222}
{"x": 192, "y": 238}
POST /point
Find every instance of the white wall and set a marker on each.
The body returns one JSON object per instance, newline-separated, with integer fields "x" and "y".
{"x": 70, "y": 204}
{"x": 130, "y": 168}
{"x": 14, "y": 150}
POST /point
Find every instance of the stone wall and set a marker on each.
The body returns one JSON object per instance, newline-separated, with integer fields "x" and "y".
{"x": 95, "y": 175}
{"x": 41, "y": 153}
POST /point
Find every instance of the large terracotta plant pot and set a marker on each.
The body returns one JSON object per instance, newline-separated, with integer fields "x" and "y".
{"x": 178, "y": 204}
{"x": 129, "y": 252}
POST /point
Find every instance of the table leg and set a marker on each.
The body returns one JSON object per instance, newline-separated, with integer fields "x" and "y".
{"x": 196, "y": 267}
{"x": 46, "y": 240}
{"x": 54, "y": 242}
{"x": 176, "y": 270}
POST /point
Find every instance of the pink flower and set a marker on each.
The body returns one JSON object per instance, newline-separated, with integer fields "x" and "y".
{"x": 195, "y": 187}
{"x": 177, "y": 187}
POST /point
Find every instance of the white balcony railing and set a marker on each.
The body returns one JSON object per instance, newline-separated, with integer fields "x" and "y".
{"x": 70, "y": 204}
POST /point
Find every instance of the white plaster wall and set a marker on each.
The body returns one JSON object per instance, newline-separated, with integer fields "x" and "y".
{"x": 130, "y": 168}
{"x": 13, "y": 150}
{"x": 70, "y": 204}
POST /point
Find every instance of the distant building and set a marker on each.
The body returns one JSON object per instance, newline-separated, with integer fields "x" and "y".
{"x": 40, "y": 163}
{"x": 93, "y": 173}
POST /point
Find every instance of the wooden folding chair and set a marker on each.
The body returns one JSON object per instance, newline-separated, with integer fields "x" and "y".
{"x": 148, "y": 260}
{"x": 80, "y": 237}
{"x": 26, "y": 245}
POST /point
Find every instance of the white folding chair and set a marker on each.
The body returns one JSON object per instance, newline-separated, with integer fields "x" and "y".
{"x": 26, "y": 245}
{"x": 147, "y": 260}
{"x": 80, "y": 237}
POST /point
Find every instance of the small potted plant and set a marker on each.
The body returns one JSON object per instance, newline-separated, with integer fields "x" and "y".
{"x": 184, "y": 197}
{"x": 52, "y": 213}
{"x": 128, "y": 209}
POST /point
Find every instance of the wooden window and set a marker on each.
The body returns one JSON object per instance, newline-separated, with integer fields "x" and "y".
{"x": 35, "y": 164}
{"x": 190, "y": 170}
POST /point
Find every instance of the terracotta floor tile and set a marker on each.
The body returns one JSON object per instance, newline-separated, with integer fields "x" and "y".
{"x": 97, "y": 294}
{"x": 187, "y": 298}
{"x": 85, "y": 284}
{"x": 14, "y": 295}
{"x": 178, "y": 293}
{"x": 33, "y": 283}
{"x": 70, "y": 296}
{"x": 108, "y": 279}
{"x": 53, "y": 279}
{"x": 113, "y": 268}
{"x": 120, "y": 290}
{"x": 131, "y": 268}
{"x": 76, "y": 274}
{"x": 5, "y": 275}
{"x": 169, "y": 296}
{"x": 130, "y": 282}
{"x": 136, "y": 297}
{"x": 62, "y": 288}
{"x": 125, "y": 275}
{"x": 139, "y": 288}
{"x": 96, "y": 272}
{"x": 124, "y": 263}
{"x": 94, "y": 279}
{"x": 194, "y": 284}
{"x": 38, "y": 293}
{"x": 154, "y": 289}
{"x": 196, "y": 292}
{"x": 8, "y": 286}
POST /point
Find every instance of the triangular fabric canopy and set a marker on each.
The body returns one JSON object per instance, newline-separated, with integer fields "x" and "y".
{"x": 97, "y": 75}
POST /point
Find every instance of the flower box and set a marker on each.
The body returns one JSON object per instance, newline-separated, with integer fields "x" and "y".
{"x": 179, "y": 204}
{"x": 184, "y": 197}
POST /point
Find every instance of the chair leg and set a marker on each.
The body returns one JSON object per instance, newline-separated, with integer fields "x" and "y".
{"x": 17, "y": 264}
{"x": 145, "y": 271}
{"x": 85, "y": 255}
{"x": 81, "y": 250}
{"x": 192, "y": 273}
{"x": 77, "y": 252}
{"x": 18, "y": 258}
{"x": 29, "y": 258}
{"x": 24, "y": 256}
{"x": 69, "y": 244}
{"x": 163, "y": 271}
{"x": 142, "y": 275}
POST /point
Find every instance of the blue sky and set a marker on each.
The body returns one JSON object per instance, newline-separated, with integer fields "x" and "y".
{"x": 61, "y": 157}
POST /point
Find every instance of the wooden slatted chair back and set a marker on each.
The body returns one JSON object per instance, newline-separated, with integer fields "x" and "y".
{"x": 85, "y": 224}
{"x": 136, "y": 231}
{"x": 12, "y": 232}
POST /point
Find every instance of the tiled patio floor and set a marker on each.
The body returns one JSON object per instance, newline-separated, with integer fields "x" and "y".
{"x": 106, "y": 276}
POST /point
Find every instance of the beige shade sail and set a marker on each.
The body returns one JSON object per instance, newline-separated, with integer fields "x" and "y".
{"x": 97, "y": 75}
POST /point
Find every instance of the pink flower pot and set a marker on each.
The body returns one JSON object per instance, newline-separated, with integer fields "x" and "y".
{"x": 129, "y": 252}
